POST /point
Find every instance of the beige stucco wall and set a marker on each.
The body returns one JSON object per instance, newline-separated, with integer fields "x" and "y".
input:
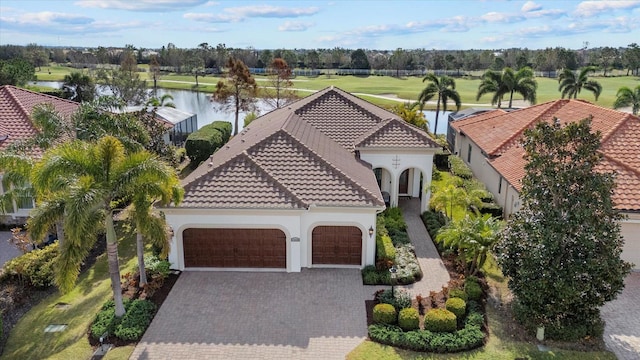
{"x": 630, "y": 230}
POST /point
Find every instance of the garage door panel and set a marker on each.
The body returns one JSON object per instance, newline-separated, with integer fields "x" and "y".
{"x": 229, "y": 248}
{"x": 336, "y": 245}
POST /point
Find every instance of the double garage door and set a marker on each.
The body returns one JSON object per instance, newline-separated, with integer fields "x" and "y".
{"x": 267, "y": 248}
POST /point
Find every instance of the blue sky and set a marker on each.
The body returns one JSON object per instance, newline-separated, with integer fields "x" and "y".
{"x": 373, "y": 24}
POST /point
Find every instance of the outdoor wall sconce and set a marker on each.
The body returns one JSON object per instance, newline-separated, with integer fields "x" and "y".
{"x": 370, "y": 231}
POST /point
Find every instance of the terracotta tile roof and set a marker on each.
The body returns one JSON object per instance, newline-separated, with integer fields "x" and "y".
{"x": 16, "y": 105}
{"x": 303, "y": 153}
{"x": 499, "y": 134}
{"x": 395, "y": 133}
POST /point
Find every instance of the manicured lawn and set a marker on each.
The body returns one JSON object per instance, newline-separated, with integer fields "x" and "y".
{"x": 405, "y": 88}
{"x": 28, "y": 339}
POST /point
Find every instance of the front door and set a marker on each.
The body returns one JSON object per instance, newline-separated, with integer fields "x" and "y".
{"x": 403, "y": 184}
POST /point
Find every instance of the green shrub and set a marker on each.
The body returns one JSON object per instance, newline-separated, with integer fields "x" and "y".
{"x": 457, "y": 306}
{"x": 370, "y": 275}
{"x": 441, "y": 160}
{"x": 409, "y": 319}
{"x": 385, "y": 250}
{"x": 225, "y": 128}
{"x": 393, "y": 213}
{"x": 490, "y": 208}
{"x": 475, "y": 319}
{"x": 567, "y": 329}
{"x": 135, "y": 321}
{"x": 205, "y": 141}
{"x": 384, "y": 314}
{"x": 131, "y": 326}
{"x": 457, "y": 293}
{"x": 34, "y": 268}
{"x": 155, "y": 265}
{"x": 473, "y": 290}
{"x": 440, "y": 320}
{"x": 436, "y": 175}
{"x": 399, "y": 237}
{"x": 470, "y": 337}
{"x": 433, "y": 221}
{"x": 459, "y": 168}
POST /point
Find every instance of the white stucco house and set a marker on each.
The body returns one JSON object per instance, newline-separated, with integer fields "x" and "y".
{"x": 489, "y": 143}
{"x": 300, "y": 187}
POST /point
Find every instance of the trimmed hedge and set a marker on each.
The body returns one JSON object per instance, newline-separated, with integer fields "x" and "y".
{"x": 459, "y": 168}
{"x": 384, "y": 249}
{"x": 384, "y": 314}
{"x": 457, "y": 306}
{"x": 34, "y": 268}
{"x": 457, "y": 293}
{"x": 373, "y": 276}
{"x": 205, "y": 141}
{"x": 433, "y": 221}
{"x": 440, "y": 320}
{"x": 468, "y": 338}
{"x": 399, "y": 299}
{"x": 473, "y": 290}
{"x": 409, "y": 319}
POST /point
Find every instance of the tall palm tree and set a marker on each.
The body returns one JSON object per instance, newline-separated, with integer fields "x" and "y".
{"x": 445, "y": 88}
{"x": 571, "y": 83}
{"x": 627, "y": 97}
{"x": 99, "y": 177}
{"x": 15, "y": 171}
{"x": 508, "y": 82}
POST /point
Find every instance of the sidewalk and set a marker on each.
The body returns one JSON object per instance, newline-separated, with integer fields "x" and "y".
{"x": 435, "y": 274}
{"x": 7, "y": 250}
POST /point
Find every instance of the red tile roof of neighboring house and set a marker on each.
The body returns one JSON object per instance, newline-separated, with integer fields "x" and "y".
{"x": 299, "y": 156}
{"x": 498, "y": 134}
{"x": 16, "y": 105}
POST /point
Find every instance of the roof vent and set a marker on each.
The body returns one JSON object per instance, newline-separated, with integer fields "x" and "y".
{"x": 210, "y": 164}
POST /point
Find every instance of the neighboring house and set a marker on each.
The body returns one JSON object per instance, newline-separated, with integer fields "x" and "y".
{"x": 490, "y": 144}
{"x": 179, "y": 124}
{"x": 300, "y": 187}
{"x": 16, "y": 105}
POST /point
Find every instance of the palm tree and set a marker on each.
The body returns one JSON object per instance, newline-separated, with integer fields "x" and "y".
{"x": 508, "y": 82}
{"x": 149, "y": 223}
{"x": 79, "y": 87}
{"x": 571, "y": 85}
{"x": 627, "y": 97}
{"x": 165, "y": 100}
{"x": 411, "y": 113}
{"x": 15, "y": 171}
{"x": 100, "y": 177}
{"x": 447, "y": 198}
{"x": 445, "y": 88}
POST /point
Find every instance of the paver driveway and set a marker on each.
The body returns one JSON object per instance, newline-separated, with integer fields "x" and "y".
{"x": 315, "y": 314}
{"x": 622, "y": 317}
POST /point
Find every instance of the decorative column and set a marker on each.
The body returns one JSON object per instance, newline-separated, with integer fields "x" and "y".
{"x": 295, "y": 257}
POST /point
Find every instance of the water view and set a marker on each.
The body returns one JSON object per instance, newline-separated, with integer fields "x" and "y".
{"x": 198, "y": 103}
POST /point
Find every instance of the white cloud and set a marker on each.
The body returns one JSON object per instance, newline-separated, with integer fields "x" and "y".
{"x": 48, "y": 22}
{"x": 530, "y": 6}
{"x": 591, "y": 8}
{"x": 141, "y": 5}
{"x": 295, "y": 26}
{"x": 498, "y": 17}
{"x": 236, "y": 14}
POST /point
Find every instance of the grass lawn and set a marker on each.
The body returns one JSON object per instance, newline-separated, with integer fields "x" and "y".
{"x": 28, "y": 339}
{"x": 406, "y": 88}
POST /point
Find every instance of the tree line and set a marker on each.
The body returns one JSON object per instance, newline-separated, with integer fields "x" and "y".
{"x": 210, "y": 58}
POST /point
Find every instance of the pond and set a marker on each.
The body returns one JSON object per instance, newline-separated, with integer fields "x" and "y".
{"x": 198, "y": 103}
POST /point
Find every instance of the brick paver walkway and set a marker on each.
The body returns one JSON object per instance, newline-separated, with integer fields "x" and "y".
{"x": 315, "y": 314}
{"x": 435, "y": 273}
{"x": 622, "y": 317}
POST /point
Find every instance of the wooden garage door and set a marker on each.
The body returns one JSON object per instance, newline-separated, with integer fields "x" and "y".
{"x": 246, "y": 248}
{"x": 336, "y": 245}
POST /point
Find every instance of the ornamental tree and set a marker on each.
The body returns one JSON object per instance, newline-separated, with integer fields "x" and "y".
{"x": 561, "y": 251}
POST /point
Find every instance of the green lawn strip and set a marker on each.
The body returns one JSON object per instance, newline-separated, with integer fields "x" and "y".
{"x": 405, "y": 88}
{"x": 28, "y": 339}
